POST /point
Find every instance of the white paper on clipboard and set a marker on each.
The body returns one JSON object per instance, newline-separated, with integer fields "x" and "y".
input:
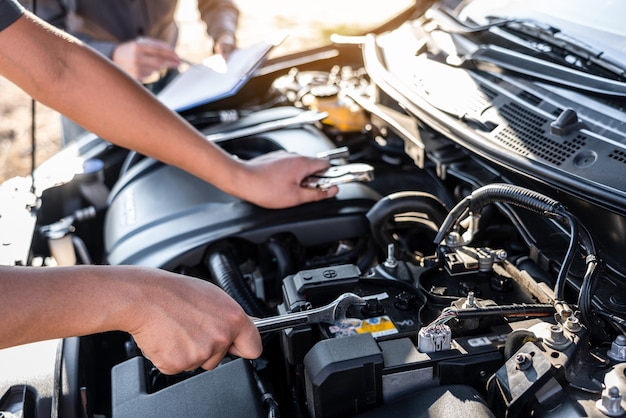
{"x": 215, "y": 78}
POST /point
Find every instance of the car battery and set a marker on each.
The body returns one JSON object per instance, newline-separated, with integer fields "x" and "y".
{"x": 391, "y": 309}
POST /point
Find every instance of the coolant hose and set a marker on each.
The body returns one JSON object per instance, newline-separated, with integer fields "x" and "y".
{"x": 224, "y": 271}
{"x": 400, "y": 202}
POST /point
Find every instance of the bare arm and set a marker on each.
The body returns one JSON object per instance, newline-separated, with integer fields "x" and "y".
{"x": 69, "y": 77}
{"x": 221, "y": 18}
{"x": 180, "y": 323}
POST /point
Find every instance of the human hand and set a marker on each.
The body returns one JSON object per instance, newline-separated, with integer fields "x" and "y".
{"x": 142, "y": 57}
{"x": 186, "y": 323}
{"x": 274, "y": 180}
{"x": 225, "y": 45}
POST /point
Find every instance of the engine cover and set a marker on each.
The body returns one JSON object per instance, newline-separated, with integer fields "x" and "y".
{"x": 161, "y": 216}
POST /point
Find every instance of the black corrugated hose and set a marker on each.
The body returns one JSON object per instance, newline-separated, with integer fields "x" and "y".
{"x": 220, "y": 262}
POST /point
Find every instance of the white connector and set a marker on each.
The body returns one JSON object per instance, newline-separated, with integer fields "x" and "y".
{"x": 434, "y": 338}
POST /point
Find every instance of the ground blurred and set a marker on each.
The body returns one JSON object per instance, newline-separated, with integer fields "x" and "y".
{"x": 308, "y": 24}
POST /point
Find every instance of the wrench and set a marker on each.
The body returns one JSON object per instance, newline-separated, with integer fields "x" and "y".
{"x": 339, "y": 174}
{"x": 330, "y": 313}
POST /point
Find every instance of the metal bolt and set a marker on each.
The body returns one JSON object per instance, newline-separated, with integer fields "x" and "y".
{"x": 573, "y": 324}
{"x": 618, "y": 349}
{"x": 470, "y": 302}
{"x": 501, "y": 254}
{"x": 610, "y": 404}
{"x": 524, "y": 361}
{"x": 391, "y": 261}
{"x": 558, "y": 340}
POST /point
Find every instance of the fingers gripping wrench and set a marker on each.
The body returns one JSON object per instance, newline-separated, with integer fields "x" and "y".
{"x": 330, "y": 313}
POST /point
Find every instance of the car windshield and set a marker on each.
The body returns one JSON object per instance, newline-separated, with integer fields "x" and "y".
{"x": 597, "y": 23}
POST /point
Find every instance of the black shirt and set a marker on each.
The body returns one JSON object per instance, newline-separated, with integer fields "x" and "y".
{"x": 10, "y": 11}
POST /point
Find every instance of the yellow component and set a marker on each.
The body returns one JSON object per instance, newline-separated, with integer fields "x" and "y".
{"x": 377, "y": 326}
{"x": 342, "y": 114}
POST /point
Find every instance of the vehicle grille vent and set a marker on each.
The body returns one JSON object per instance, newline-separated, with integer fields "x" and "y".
{"x": 618, "y": 155}
{"x": 524, "y": 135}
{"x": 480, "y": 99}
{"x": 530, "y": 98}
{"x": 487, "y": 92}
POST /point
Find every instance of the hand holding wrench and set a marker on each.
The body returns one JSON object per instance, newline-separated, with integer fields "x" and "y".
{"x": 330, "y": 313}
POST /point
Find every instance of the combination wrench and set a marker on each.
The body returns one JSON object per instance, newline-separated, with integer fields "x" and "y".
{"x": 331, "y": 313}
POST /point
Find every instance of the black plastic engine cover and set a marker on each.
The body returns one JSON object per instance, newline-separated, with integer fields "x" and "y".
{"x": 227, "y": 391}
{"x": 161, "y": 216}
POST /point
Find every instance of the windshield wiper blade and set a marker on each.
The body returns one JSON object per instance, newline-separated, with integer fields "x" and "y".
{"x": 548, "y": 34}
{"x": 556, "y": 38}
{"x": 486, "y": 57}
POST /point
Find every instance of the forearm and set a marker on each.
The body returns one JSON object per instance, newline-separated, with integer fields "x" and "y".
{"x": 221, "y": 17}
{"x": 60, "y": 81}
{"x": 138, "y": 122}
{"x": 46, "y": 303}
{"x": 180, "y": 323}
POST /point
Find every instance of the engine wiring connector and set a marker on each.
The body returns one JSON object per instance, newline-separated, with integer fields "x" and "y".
{"x": 432, "y": 339}
{"x": 436, "y": 336}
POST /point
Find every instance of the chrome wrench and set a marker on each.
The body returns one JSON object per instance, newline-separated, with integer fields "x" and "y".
{"x": 339, "y": 174}
{"x": 331, "y": 313}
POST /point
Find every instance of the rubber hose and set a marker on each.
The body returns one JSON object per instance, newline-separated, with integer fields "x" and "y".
{"x": 504, "y": 193}
{"x": 284, "y": 262}
{"x": 514, "y": 195}
{"x": 221, "y": 264}
{"x": 400, "y": 202}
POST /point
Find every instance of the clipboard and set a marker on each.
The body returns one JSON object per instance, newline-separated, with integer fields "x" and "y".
{"x": 215, "y": 78}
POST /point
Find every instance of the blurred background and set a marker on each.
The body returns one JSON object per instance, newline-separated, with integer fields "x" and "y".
{"x": 308, "y": 24}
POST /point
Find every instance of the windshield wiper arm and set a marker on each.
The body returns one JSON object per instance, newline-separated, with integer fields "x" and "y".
{"x": 548, "y": 34}
{"x": 555, "y": 37}
{"x": 486, "y": 57}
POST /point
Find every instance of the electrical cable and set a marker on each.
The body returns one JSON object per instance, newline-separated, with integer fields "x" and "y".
{"x": 521, "y": 310}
